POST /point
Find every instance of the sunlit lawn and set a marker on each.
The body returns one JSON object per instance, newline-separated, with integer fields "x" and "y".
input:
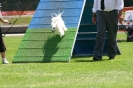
{"x": 80, "y": 72}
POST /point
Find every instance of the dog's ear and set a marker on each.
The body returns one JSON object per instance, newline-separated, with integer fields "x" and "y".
{"x": 53, "y": 15}
{"x": 60, "y": 13}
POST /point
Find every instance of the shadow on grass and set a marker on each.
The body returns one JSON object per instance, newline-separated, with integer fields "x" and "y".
{"x": 50, "y": 48}
{"x": 87, "y": 59}
{"x": 121, "y": 40}
{"x": 82, "y": 58}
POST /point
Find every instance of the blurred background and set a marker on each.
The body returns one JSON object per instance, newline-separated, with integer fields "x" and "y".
{"x": 20, "y": 13}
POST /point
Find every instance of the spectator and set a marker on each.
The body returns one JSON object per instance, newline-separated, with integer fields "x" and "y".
{"x": 106, "y": 14}
{"x": 2, "y": 45}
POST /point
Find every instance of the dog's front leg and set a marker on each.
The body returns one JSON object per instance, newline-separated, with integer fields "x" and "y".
{"x": 64, "y": 27}
{"x": 61, "y": 31}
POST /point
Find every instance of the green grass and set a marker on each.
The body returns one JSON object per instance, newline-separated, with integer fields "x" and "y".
{"x": 24, "y": 20}
{"x": 81, "y": 72}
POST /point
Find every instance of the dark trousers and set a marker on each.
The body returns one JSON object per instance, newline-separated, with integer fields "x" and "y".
{"x": 106, "y": 22}
{"x": 2, "y": 45}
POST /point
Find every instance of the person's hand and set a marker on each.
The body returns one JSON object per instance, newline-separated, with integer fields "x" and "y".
{"x": 94, "y": 20}
{"x": 120, "y": 19}
{"x": 6, "y": 21}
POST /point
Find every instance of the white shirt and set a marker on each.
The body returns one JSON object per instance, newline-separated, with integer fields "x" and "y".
{"x": 109, "y": 5}
{"x": 0, "y": 15}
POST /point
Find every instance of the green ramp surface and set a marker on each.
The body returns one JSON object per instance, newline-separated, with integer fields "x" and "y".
{"x": 39, "y": 44}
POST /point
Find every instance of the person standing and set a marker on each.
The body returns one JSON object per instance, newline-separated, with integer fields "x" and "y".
{"x": 106, "y": 15}
{"x": 2, "y": 45}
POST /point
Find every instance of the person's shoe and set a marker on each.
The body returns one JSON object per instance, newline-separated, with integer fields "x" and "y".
{"x": 4, "y": 61}
{"x": 97, "y": 58}
{"x": 111, "y": 58}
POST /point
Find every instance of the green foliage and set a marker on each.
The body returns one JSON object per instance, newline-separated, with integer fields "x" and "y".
{"x": 128, "y": 3}
{"x": 10, "y": 5}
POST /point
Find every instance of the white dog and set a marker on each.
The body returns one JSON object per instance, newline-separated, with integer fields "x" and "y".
{"x": 58, "y": 25}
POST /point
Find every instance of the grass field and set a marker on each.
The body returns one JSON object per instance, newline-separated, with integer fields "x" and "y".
{"x": 22, "y": 20}
{"x": 81, "y": 72}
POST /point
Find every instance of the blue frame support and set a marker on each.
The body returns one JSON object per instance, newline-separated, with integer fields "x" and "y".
{"x": 85, "y": 40}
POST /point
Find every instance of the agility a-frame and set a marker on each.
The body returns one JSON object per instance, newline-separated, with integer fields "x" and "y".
{"x": 41, "y": 45}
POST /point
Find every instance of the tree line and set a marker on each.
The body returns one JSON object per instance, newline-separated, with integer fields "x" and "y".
{"x": 128, "y": 3}
{"x": 10, "y": 5}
